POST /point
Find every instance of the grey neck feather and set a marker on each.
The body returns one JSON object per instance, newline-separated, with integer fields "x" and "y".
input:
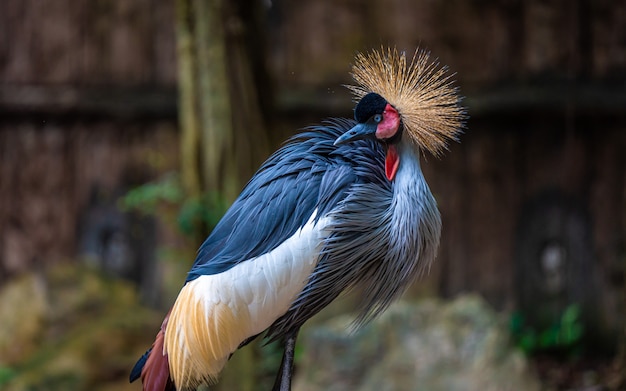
{"x": 404, "y": 246}
{"x": 416, "y": 219}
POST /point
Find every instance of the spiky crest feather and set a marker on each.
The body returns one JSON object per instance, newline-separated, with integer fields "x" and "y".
{"x": 421, "y": 90}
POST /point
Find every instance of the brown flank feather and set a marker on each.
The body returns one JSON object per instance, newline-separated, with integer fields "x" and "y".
{"x": 155, "y": 375}
{"x": 421, "y": 90}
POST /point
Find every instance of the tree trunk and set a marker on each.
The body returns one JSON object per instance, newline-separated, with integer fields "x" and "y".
{"x": 223, "y": 133}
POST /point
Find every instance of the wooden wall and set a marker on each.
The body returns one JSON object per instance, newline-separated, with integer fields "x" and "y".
{"x": 87, "y": 111}
{"x": 87, "y": 96}
{"x": 86, "y": 43}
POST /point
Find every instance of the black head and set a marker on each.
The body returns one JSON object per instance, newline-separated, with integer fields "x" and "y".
{"x": 370, "y": 105}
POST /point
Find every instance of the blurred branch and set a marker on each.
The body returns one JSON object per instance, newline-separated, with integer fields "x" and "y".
{"x": 219, "y": 167}
{"x": 548, "y": 96}
{"x": 588, "y": 96}
{"x": 188, "y": 113}
{"x": 99, "y": 101}
{"x": 161, "y": 102}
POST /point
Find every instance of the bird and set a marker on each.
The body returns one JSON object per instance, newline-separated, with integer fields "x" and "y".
{"x": 341, "y": 207}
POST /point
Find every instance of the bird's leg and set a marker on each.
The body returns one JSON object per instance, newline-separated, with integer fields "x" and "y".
{"x": 283, "y": 379}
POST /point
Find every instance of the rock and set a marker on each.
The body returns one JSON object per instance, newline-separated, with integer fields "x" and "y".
{"x": 23, "y": 309}
{"x": 430, "y": 346}
{"x": 71, "y": 329}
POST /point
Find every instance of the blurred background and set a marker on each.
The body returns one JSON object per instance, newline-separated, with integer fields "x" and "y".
{"x": 128, "y": 127}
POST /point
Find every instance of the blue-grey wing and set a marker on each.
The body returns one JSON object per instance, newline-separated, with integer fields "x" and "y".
{"x": 353, "y": 252}
{"x": 355, "y": 249}
{"x": 306, "y": 174}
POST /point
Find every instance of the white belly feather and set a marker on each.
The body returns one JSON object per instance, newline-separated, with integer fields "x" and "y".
{"x": 213, "y": 314}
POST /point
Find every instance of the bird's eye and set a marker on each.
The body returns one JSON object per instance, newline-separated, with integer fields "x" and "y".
{"x": 378, "y": 118}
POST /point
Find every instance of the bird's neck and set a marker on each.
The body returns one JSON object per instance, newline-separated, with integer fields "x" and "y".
{"x": 409, "y": 185}
{"x": 409, "y": 170}
{"x": 415, "y": 215}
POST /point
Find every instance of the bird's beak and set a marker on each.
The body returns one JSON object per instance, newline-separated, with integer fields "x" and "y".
{"x": 360, "y": 131}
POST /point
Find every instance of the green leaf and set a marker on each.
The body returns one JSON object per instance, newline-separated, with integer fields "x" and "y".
{"x": 571, "y": 315}
{"x": 6, "y": 375}
{"x": 147, "y": 197}
{"x": 516, "y": 323}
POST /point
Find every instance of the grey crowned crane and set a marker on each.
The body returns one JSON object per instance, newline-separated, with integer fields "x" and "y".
{"x": 339, "y": 206}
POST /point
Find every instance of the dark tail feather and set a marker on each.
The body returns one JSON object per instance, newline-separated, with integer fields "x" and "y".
{"x": 136, "y": 371}
{"x": 153, "y": 367}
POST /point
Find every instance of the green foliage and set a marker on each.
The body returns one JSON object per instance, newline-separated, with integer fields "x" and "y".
{"x": 148, "y": 197}
{"x": 269, "y": 360}
{"x": 6, "y": 374}
{"x": 194, "y": 215}
{"x": 563, "y": 336}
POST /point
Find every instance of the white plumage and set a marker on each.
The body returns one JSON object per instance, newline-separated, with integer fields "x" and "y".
{"x": 214, "y": 313}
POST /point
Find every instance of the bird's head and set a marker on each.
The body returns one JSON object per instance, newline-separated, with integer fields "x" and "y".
{"x": 376, "y": 118}
{"x": 399, "y": 100}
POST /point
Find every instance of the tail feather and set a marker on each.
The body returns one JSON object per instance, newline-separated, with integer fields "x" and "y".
{"x": 135, "y": 373}
{"x": 153, "y": 366}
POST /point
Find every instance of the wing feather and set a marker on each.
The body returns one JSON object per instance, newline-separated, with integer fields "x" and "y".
{"x": 306, "y": 174}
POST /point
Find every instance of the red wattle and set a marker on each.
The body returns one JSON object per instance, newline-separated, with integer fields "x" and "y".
{"x": 392, "y": 161}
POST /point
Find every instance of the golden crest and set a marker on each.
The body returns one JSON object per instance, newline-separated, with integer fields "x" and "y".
{"x": 421, "y": 90}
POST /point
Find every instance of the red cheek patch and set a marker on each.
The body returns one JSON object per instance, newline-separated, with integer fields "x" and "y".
{"x": 392, "y": 162}
{"x": 390, "y": 123}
